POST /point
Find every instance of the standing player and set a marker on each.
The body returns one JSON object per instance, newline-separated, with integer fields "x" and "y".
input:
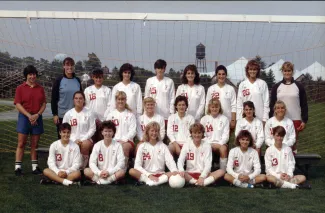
{"x": 64, "y": 159}
{"x": 193, "y": 91}
{"x": 83, "y": 126}
{"x": 279, "y": 119}
{"x": 107, "y": 158}
{"x": 217, "y": 130}
{"x": 280, "y": 163}
{"x": 254, "y": 89}
{"x": 148, "y": 116}
{"x": 151, "y": 158}
{"x": 225, "y": 93}
{"x": 198, "y": 157}
{"x": 252, "y": 124}
{"x": 30, "y": 102}
{"x": 125, "y": 123}
{"x": 243, "y": 167}
{"x": 131, "y": 89}
{"x": 178, "y": 129}
{"x": 162, "y": 89}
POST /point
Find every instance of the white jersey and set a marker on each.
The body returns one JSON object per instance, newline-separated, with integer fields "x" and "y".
{"x": 290, "y": 136}
{"x": 178, "y": 129}
{"x": 255, "y": 128}
{"x": 226, "y": 96}
{"x": 133, "y": 94}
{"x": 163, "y": 92}
{"x": 198, "y": 159}
{"x": 98, "y": 100}
{"x": 143, "y": 120}
{"x": 83, "y": 125}
{"x": 246, "y": 163}
{"x": 277, "y": 162}
{"x": 64, "y": 158}
{"x": 110, "y": 159}
{"x": 125, "y": 123}
{"x": 256, "y": 92}
{"x": 196, "y": 99}
{"x": 152, "y": 159}
{"x": 216, "y": 129}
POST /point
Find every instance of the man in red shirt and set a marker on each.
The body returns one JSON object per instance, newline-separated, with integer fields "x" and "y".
{"x": 30, "y": 101}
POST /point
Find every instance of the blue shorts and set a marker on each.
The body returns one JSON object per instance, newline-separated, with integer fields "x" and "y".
{"x": 25, "y": 127}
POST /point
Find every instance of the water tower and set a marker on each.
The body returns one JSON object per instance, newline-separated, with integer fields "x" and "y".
{"x": 200, "y": 59}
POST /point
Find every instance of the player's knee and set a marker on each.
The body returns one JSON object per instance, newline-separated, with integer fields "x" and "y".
{"x": 262, "y": 177}
{"x": 88, "y": 172}
{"x": 132, "y": 172}
{"x": 269, "y": 178}
{"x": 46, "y": 172}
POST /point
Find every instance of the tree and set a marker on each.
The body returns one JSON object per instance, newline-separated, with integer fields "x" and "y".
{"x": 261, "y": 62}
{"x": 263, "y": 76}
{"x": 79, "y": 67}
{"x": 270, "y": 79}
{"x": 308, "y": 77}
{"x": 93, "y": 62}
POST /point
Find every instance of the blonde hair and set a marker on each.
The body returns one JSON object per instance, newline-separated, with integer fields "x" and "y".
{"x": 287, "y": 65}
{"x": 123, "y": 95}
{"x": 152, "y": 124}
{"x": 279, "y": 102}
{"x": 214, "y": 102}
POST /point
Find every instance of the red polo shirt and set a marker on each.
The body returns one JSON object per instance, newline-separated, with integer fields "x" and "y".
{"x": 31, "y": 98}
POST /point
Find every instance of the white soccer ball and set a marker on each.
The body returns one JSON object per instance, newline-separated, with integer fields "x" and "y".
{"x": 176, "y": 181}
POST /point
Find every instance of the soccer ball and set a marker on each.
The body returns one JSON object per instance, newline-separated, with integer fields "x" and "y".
{"x": 176, "y": 181}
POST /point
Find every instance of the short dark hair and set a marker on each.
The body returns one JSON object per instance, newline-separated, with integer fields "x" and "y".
{"x": 126, "y": 67}
{"x": 97, "y": 72}
{"x": 160, "y": 64}
{"x": 280, "y": 130}
{"x": 108, "y": 125}
{"x": 250, "y": 105}
{"x": 193, "y": 68}
{"x": 244, "y": 134}
{"x": 179, "y": 99}
{"x": 30, "y": 69}
{"x": 64, "y": 126}
{"x": 83, "y": 95}
{"x": 221, "y": 67}
{"x": 253, "y": 64}
{"x": 70, "y": 60}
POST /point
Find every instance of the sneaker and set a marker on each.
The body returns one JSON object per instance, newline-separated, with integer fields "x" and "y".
{"x": 304, "y": 186}
{"x": 75, "y": 184}
{"x": 151, "y": 183}
{"x": 89, "y": 183}
{"x": 18, "y": 172}
{"x": 37, "y": 171}
{"x": 45, "y": 180}
{"x": 259, "y": 185}
{"x": 139, "y": 183}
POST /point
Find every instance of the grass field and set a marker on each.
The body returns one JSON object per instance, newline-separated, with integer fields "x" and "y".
{"x": 25, "y": 194}
{"x": 4, "y": 108}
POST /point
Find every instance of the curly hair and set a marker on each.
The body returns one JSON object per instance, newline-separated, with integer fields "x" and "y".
{"x": 126, "y": 67}
{"x": 251, "y": 65}
{"x": 152, "y": 124}
{"x": 193, "y": 68}
{"x": 179, "y": 99}
{"x": 244, "y": 134}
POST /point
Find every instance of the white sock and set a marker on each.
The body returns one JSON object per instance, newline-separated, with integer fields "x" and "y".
{"x": 237, "y": 182}
{"x": 18, "y": 165}
{"x": 67, "y": 182}
{"x": 112, "y": 178}
{"x": 193, "y": 181}
{"x": 34, "y": 164}
{"x": 223, "y": 163}
{"x": 84, "y": 161}
{"x": 162, "y": 179}
{"x": 287, "y": 185}
{"x": 209, "y": 180}
{"x": 150, "y": 182}
{"x": 143, "y": 178}
{"x": 102, "y": 181}
{"x": 95, "y": 178}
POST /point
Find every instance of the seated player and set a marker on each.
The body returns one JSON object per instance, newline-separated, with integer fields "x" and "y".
{"x": 64, "y": 159}
{"x": 178, "y": 126}
{"x": 280, "y": 163}
{"x": 125, "y": 123}
{"x": 279, "y": 119}
{"x": 217, "y": 130}
{"x": 148, "y": 116}
{"x": 252, "y": 124}
{"x": 151, "y": 158}
{"x": 83, "y": 126}
{"x": 243, "y": 167}
{"x": 198, "y": 157}
{"x": 107, "y": 158}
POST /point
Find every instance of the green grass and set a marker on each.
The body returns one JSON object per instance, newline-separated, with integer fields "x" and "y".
{"x": 4, "y": 108}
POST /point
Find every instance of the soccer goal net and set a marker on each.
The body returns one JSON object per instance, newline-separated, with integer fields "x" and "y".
{"x": 108, "y": 40}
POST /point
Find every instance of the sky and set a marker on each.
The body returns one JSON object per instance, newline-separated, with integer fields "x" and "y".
{"x": 117, "y": 42}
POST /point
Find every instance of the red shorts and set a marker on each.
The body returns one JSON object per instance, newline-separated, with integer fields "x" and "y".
{"x": 130, "y": 142}
{"x": 180, "y": 145}
{"x": 195, "y": 175}
{"x": 296, "y": 124}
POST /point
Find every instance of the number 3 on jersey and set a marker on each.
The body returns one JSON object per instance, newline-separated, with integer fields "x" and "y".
{"x": 274, "y": 162}
{"x": 246, "y": 92}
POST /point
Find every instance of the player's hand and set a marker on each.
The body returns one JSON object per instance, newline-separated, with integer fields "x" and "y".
{"x": 200, "y": 182}
{"x": 104, "y": 174}
{"x": 182, "y": 174}
{"x": 301, "y": 127}
{"x": 153, "y": 178}
{"x": 174, "y": 173}
{"x": 62, "y": 174}
{"x": 232, "y": 124}
{"x": 33, "y": 118}
{"x": 79, "y": 142}
{"x": 283, "y": 176}
{"x": 56, "y": 119}
{"x": 244, "y": 178}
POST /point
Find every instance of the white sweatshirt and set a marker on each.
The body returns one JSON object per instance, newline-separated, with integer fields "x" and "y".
{"x": 178, "y": 129}
{"x": 216, "y": 129}
{"x": 143, "y": 120}
{"x": 255, "y": 128}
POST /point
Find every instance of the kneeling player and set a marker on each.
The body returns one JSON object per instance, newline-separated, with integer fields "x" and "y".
{"x": 280, "y": 163}
{"x": 243, "y": 167}
{"x": 198, "y": 156}
{"x": 152, "y": 155}
{"x": 107, "y": 158}
{"x": 64, "y": 158}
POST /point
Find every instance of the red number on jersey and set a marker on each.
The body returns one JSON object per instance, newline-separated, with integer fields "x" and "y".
{"x": 190, "y": 156}
{"x": 73, "y": 122}
{"x": 236, "y": 163}
{"x": 92, "y": 96}
{"x": 209, "y": 128}
{"x": 115, "y": 121}
{"x": 175, "y": 128}
{"x": 274, "y": 162}
{"x": 215, "y": 95}
{"x": 184, "y": 94}
{"x": 246, "y": 92}
{"x": 146, "y": 156}
{"x": 153, "y": 90}
{"x": 100, "y": 157}
{"x": 58, "y": 157}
